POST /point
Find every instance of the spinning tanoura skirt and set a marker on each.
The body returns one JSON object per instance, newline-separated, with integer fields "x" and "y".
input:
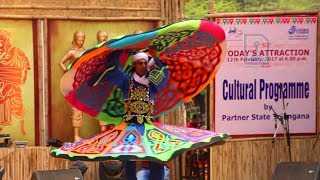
{"x": 159, "y": 143}
{"x": 192, "y": 50}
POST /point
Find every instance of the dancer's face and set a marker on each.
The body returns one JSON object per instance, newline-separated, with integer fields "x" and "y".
{"x": 141, "y": 67}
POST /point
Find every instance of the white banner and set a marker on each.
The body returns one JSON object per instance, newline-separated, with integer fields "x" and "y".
{"x": 270, "y": 64}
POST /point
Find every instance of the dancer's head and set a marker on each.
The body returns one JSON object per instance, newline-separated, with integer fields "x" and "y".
{"x": 140, "y": 63}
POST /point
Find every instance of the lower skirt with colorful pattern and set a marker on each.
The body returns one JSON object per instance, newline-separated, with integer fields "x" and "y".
{"x": 128, "y": 141}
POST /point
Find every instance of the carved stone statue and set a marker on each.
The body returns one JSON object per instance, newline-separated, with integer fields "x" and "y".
{"x": 102, "y": 36}
{"x": 75, "y": 50}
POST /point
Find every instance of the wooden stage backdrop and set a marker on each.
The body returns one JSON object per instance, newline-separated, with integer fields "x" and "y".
{"x": 247, "y": 159}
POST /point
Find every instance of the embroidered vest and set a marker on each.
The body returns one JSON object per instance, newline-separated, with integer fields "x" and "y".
{"x": 138, "y": 106}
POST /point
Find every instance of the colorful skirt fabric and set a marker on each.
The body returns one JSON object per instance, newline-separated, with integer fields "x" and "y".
{"x": 156, "y": 142}
{"x": 193, "y": 51}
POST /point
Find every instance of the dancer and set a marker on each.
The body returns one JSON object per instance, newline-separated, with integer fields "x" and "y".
{"x": 139, "y": 94}
{"x": 108, "y": 82}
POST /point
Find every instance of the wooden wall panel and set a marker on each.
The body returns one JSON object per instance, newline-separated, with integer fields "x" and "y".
{"x": 252, "y": 159}
{"x": 82, "y": 8}
{"x": 248, "y": 159}
{"x": 20, "y": 163}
